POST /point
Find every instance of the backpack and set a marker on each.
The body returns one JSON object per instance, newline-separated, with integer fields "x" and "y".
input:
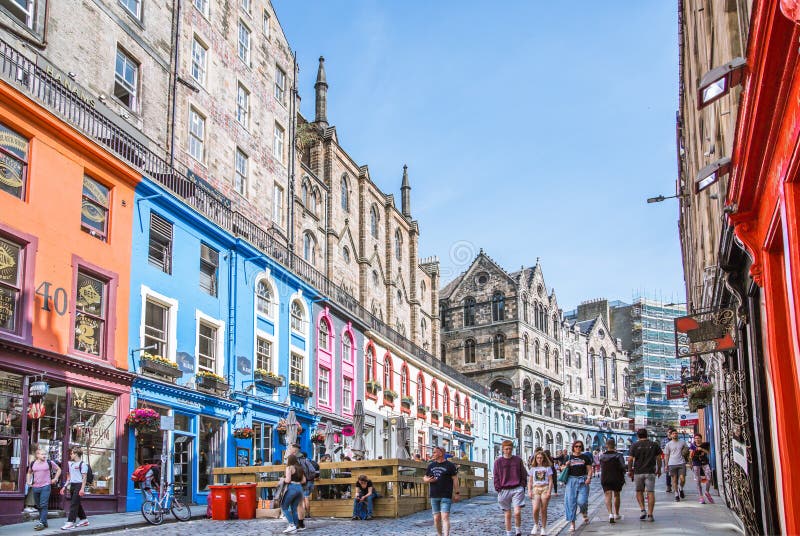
{"x": 89, "y": 473}
{"x": 50, "y": 463}
{"x": 310, "y": 468}
{"x": 140, "y": 473}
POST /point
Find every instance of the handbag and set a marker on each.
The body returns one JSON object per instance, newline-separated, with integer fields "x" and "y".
{"x": 280, "y": 491}
{"x": 563, "y": 476}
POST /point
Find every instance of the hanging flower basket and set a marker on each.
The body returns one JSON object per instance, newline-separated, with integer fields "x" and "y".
{"x": 318, "y": 438}
{"x": 700, "y": 396}
{"x": 281, "y": 428}
{"x": 243, "y": 433}
{"x": 144, "y": 420}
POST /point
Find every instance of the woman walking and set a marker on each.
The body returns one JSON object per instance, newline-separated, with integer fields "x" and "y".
{"x": 700, "y": 463}
{"x": 540, "y": 484}
{"x": 612, "y": 478}
{"x": 576, "y": 494}
{"x": 294, "y": 478}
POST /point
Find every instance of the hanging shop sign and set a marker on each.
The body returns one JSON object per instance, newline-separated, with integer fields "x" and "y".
{"x": 689, "y": 419}
{"x": 675, "y": 391}
{"x": 705, "y": 332}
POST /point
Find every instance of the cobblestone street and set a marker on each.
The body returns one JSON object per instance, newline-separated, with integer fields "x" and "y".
{"x": 479, "y": 516}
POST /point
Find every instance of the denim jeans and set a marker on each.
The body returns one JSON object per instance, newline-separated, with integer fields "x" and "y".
{"x": 576, "y": 495}
{"x": 368, "y": 502}
{"x": 41, "y": 496}
{"x": 291, "y": 500}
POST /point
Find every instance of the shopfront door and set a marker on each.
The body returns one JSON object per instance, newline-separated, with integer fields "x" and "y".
{"x": 182, "y": 465}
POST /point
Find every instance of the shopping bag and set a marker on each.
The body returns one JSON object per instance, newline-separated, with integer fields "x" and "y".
{"x": 563, "y": 476}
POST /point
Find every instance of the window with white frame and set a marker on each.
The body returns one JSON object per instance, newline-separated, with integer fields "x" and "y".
{"x": 247, "y": 6}
{"x": 324, "y": 335}
{"x": 324, "y": 385}
{"x": 298, "y": 317}
{"x": 244, "y": 43}
{"x": 126, "y": 80}
{"x": 277, "y": 205}
{"x": 199, "y": 61}
{"x": 264, "y": 298}
{"x": 207, "y": 335}
{"x": 347, "y": 395}
{"x": 280, "y": 85}
{"x": 277, "y": 143}
{"x": 21, "y": 10}
{"x": 266, "y": 24}
{"x": 134, "y": 7}
{"x": 263, "y": 354}
{"x": 197, "y": 135}
{"x": 243, "y": 106}
{"x": 240, "y": 176}
{"x": 209, "y": 265}
{"x": 201, "y": 6}
{"x": 347, "y": 347}
{"x": 296, "y": 368}
{"x": 156, "y": 327}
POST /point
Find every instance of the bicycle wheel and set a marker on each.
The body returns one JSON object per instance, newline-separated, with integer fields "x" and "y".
{"x": 180, "y": 510}
{"x": 151, "y": 511}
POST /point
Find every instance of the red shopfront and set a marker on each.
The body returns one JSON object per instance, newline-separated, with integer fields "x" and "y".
{"x": 85, "y": 405}
{"x": 764, "y": 195}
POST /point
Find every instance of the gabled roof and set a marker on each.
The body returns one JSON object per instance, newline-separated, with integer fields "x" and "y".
{"x": 447, "y": 291}
{"x": 587, "y": 325}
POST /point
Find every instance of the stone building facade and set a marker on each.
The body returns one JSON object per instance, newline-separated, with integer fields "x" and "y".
{"x": 506, "y": 330}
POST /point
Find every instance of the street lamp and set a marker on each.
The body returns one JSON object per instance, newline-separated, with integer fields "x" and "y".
{"x": 717, "y": 82}
{"x": 660, "y": 198}
{"x": 711, "y": 174}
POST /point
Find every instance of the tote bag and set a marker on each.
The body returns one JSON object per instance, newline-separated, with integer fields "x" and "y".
{"x": 563, "y": 476}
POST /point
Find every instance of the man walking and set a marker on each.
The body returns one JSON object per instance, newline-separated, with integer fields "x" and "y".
{"x": 442, "y": 476}
{"x": 676, "y": 452}
{"x": 510, "y": 478}
{"x": 42, "y": 473}
{"x": 644, "y": 466}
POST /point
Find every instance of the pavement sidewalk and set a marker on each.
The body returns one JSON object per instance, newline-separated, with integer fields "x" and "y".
{"x": 98, "y": 524}
{"x": 688, "y": 517}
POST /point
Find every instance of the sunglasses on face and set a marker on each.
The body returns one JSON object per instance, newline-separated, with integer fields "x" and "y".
{"x": 577, "y": 446}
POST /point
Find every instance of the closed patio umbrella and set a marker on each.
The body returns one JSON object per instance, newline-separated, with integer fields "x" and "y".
{"x": 291, "y": 428}
{"x": 400, "y": 451}
{"x": 358, "y": 447}
{"x": 330, "y": 444}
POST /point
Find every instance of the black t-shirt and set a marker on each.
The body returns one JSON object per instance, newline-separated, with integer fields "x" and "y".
{"x": 578, "y": 464}
{"x": 444, "y": 472}
{"x": 363, "y": 491}
{"x": 612, "y": 467}
{"x": 645, "y": 453}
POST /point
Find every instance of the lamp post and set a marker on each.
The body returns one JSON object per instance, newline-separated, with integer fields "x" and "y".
{"x": 143, "y": 348}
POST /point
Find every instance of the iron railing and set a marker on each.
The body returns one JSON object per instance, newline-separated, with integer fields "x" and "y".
{"x": 21, "y": 72}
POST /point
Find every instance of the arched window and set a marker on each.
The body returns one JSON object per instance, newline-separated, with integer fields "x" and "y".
{"x": 314, "y": 201}
{"x": 369, "y": 364}
{"x": 578, "y": 360}
{"x": 324, "y": 335}
{"x": 536, "y": 315}
{"x": 555, "y": 360}
{"x": 398, "y": 245}
{"x": 457, "y": 406}
{"x": 387, "y": 373}
{"x": 548, "y": 402}
{"x": 567, "y": 359}
{"x": 434, "y": 395}
{"x": 467, "y": 412}
{"x": 469, "y": 311}
{"x": 496, "y": 424}
{"x": 443, "y": 350}
{"x": 545, "y": 323}
{"x": 557, "y": 405}
{"x": 555, "y": 326}
{"x": 304, "y": 194}
{"x": 546, "y": 357}
{"x": 347, "y": 346}
{"x": 525, "y": 349}
{"x": 298, "y": 316}
{"x": 469, "y": 351}
{"x": 405, "y": 386}
{"x": 345, "y": 194}
{"x": 446, "y": 400}
{"x": 309, "y": 248}
{"x": 373, "y": 221}
{"x": 509, "y": 431}
{"x": 423, "y": 328}
{"x": 536, "y": 354}
{"x": 499, "y": 346}
{"x": 264, "y": 298}
{"x": 420, "y": 389}
{"x": 498, "y": 307}
{"x": 525, "y": 307}
{"x": 579, "y": 384}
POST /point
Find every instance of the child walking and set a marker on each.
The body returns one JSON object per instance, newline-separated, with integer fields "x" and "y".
{"x": 540, "y": 485}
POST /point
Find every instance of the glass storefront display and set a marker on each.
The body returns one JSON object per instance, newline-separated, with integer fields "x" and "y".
{"x": 149, "y": 444}
{"x": 10, "y": 430}
{"x": 262, "y": 442}
{"x": 47, "y": 417}
{"x": 210, "y": 450}
{"x": 93, "y": 420}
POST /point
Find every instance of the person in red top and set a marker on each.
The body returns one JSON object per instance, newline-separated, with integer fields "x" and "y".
{"x": 510, "y": 477}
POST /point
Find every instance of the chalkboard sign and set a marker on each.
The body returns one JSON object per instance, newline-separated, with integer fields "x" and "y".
{"x": 242, "y": 457}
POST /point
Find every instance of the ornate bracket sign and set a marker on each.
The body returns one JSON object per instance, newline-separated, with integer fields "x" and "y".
{"x": 704, "y": 333}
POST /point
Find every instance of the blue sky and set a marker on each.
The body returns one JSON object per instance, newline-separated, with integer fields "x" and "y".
{"x": 530, "y": 128}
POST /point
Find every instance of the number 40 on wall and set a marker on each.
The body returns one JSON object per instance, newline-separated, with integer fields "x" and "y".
{"x": 59, "y": 297}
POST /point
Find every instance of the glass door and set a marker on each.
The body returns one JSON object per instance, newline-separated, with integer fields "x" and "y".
{"x": 182, "y": 465}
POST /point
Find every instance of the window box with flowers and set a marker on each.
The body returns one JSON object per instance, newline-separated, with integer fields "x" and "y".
{"x": 435, "y": 414}
{"x": 267, "y": 377}
{"x": 243, "y": 433}
{"x": 407, "y": 402}
{"x": 422, "y": 411}
{"x": 467, "y": 427}
{"x": 144, "y": 420}
{"x": 299, "y": 389}
{"x": 448, "y": 419}
{"x": 373, "y": 388}
{"x": 700, "y": 395}
{"x": 159, "y": 366}
{"x": 389, "y": 396}
{"x": 211, "y": 382}
{"x": 318, "y": 438}
{"x": 459, "y": 423}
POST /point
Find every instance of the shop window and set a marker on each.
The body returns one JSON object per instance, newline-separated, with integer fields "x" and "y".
{"x": 13, "y": 162}
{"x": 11, "y": 257}
{"x": 90, "y": 314}
{"x": 149, "y": 444}
{"x": 210, "y": 450}
{"x": 10, "y": 430}
{"x": 93, "y": 420}
{"x": 262, "y": 443}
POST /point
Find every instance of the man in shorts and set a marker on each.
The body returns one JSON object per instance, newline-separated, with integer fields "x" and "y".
{"x": 676, "y": 451}
{"x": 644, "y": 466}
{"x": 442, "y": 476}
{"x": 510, "y": 478}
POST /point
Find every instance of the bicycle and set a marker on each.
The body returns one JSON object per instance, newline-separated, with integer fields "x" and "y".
{"x": 154, "y": 510}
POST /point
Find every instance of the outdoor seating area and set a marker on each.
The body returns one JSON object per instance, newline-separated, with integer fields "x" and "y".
{"x": 398, "y": 482}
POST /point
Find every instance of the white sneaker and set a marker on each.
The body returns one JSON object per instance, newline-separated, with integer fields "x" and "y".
{"x": 82, "y": 523}
{"x": 68, "y": 526}
{"x": 29, "y": 510}
{"x": 535, "y": 529}
{"x": 544, "y": 531}
{"x": 291, "y": 529}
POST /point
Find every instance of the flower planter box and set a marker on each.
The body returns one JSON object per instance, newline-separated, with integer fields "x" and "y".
{"x": 271, "y": 381}
{"x": 421, "y": 415}
{"x": 211, "y": 385}
{"x": 150, "y": 366}
{"x": 302, "y": 392}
